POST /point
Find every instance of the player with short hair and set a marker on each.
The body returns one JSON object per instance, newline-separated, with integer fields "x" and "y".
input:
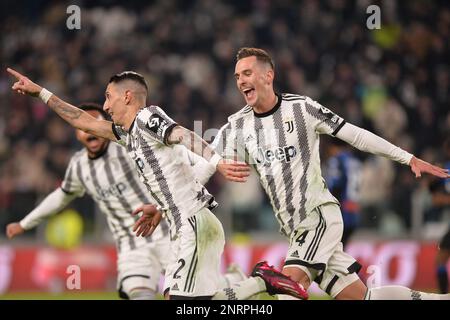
{"x": 149, "y": 136}
{"x": 105, "y": 172}
{"x": 279, "y": 135}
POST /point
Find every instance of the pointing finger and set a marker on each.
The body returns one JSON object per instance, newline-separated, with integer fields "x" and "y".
{"x": 14, "y": 73}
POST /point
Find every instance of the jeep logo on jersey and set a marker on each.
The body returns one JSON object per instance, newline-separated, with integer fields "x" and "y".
{"x": 115, "y": 190}
{"x": 279, "y": 153}
{"x": 157, "y": 124}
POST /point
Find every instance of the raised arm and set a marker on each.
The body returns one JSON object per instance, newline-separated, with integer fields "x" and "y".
{"x": 76, "y": 117}
{"x": 367, "y": 141}
{"x": 52, "y": 204}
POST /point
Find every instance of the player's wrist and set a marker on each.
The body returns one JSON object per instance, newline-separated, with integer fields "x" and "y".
{"x": 215, "y": 159}
{"x": 45, "y": 95}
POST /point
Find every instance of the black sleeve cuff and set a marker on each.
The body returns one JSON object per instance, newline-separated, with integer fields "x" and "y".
{"x": 168, "y": 132}
{"x": 338, "y": 128}
{"x": 65, "y": 191}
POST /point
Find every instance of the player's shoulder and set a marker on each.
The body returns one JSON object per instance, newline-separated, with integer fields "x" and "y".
{"x": 293, "y": 97}
{"x": 78, "y": 156}
{"x": 145, "y": 112}
{"x": 242, "y": 113}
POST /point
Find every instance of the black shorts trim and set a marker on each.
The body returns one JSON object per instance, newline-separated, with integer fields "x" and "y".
{"x": 354, "y": 268}
{"x": 331, "y": 284}
{"x": 320, "y": 267}
{"x": 316, "y": 266}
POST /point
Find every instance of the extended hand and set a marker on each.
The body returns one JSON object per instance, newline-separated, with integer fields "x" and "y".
{"x": 418, "y": 166}
{"x": 14, "y": 229}
{"x": 234, "y": 170}
{"x": 24, "y": 85}
{"x": 149, "y": 220}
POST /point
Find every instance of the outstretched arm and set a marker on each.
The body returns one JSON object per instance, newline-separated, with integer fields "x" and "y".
{"x": 76, "y": 117}
{"x": 367, "y": 141}
{"x": 52, "y": 204}
{"x": 231, "y": 170}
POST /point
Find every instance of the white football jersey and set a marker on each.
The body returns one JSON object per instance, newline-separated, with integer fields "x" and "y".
{"x": 162, "y": 168}
{"x": 111, "y": 180}
{"x": 283, "y": 147}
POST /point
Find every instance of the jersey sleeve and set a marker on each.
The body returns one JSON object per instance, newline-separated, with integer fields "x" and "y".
{"x": 155, "y": 123}
{"x": 120, "y": 134}
{"x": 227, "y": 145}
{"x": 323, "y": 119}
{"x": 203, "y": 170}
{"x": 71, "y": 184}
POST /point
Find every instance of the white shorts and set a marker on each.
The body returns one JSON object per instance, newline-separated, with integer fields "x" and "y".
{"x": 142, "y": 267}
{"x": 316, "y": 248}
{"x": 194, "y": 269}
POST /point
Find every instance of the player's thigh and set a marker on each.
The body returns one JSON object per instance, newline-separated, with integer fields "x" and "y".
{"x": 163, "y": 251}
{"x": 138, "y": 268}
{"x": 313, "y": 244}
{"x": 201, "y": 245}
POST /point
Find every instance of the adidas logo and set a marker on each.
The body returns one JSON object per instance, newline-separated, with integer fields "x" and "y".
{"x": 249, "y": 137}
{"x": 295, "y": 254}
{"x": 175, "y": 287}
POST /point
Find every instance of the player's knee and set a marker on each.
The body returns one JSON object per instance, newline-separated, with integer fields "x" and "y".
{"x": 349, "y": 287}
{"x": 298, "y": 275}
{"x": 141, "y": 293}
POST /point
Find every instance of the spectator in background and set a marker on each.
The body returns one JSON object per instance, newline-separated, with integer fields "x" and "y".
{"x": 168, "y": 40}
{"x": 440, "y": 191}
{"x": 343, "y": 176}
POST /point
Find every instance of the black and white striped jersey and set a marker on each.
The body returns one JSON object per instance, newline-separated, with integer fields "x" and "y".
{"x": 111, "y": 180}
{"x": 283, "y": 147}
{"x": 162, "y": 168}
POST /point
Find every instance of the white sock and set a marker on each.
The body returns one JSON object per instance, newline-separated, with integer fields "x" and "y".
{"x": 286, "y": 297}
{"x": 233, "y": 275}
{"x": 142, "y": 294}
{"x": 242, "y": 290}
{"x": 402, "y": 293}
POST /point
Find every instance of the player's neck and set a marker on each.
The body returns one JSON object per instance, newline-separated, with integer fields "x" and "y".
{"x": 266, "y": 104}
{"x": 100, "y": 153}
{"x": 130, "y": 116}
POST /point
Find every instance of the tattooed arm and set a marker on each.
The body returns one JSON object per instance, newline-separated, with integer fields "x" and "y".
{"x": 80, "y": 119}
{"x": 231, "y": 170}
{"x": 77, "y": 118}
{"x": 193, "y": 143}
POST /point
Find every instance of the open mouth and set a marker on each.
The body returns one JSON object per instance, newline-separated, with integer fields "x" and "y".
{"x": 249, "y": 93}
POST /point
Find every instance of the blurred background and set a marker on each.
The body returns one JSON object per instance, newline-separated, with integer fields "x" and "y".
{"x": 393, "y": 81}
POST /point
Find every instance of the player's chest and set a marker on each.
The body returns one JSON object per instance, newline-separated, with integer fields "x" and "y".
{"x": 106, "y": 179}
{"x": 266, "y": 143}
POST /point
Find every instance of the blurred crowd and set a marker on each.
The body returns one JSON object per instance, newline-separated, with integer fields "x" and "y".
{"x": 393, "y": 81}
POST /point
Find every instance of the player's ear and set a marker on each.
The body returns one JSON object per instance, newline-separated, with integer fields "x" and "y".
{"x": 128, "y": 96}
{"x": 270, "y": 75}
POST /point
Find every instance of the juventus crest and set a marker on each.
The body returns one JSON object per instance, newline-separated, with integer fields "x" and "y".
{"x": 289, "y": 126}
